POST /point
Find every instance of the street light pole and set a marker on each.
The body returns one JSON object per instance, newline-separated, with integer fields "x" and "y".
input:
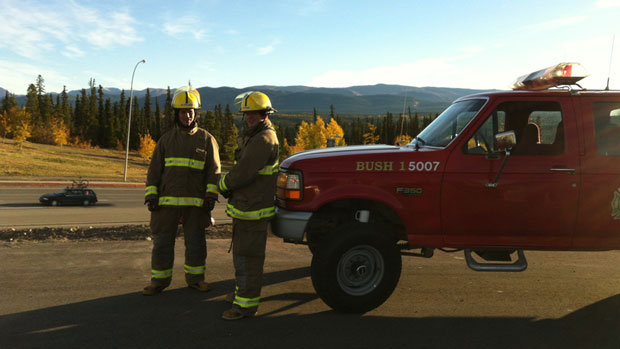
{"x": 129, "y": 120}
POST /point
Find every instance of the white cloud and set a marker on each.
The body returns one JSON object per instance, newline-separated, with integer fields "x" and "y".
{"x": 16, "y": 76}
{"x": 72, "y": 52}
{"x": 115, "y": 30}
{"x": 32, "y": 30}
{"x": 557, "y": 23}
{"x": 185, "y": 25}
{"x": 309, "y": 7}
{"x": 607, "y": 3}
{"x": 265, "y": 50}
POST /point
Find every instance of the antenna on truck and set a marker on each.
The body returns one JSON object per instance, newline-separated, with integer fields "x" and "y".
{"x": 613, "y": 40}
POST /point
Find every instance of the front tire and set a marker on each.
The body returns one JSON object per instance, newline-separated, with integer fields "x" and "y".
{"x": 357, "y": 270}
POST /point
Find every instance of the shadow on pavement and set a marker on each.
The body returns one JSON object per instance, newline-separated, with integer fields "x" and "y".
{"x": 185, "y": 318}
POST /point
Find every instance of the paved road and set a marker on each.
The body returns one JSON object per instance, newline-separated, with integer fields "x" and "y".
{"x": 86, "y": 294}
{"x": 20, "y": 208}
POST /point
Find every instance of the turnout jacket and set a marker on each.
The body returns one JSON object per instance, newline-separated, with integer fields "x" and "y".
{"x": 252, "y": 179}
{"x": 185, "y": 168}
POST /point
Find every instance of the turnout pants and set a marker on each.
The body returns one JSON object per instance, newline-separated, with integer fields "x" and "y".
{"x": 164, "y": 225}
{"x": 249, "y": 242}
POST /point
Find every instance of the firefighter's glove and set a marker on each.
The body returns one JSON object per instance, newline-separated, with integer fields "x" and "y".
{"x": 152, "y": 203}
{"x": 226, "y": 194}
{"x": 209, "y": 204}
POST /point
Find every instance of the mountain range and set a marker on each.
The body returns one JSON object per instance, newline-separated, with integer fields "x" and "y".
{"x": 367, "y": 99}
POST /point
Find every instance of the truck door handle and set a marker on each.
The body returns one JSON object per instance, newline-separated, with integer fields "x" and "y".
{"x": 568, "y": 170}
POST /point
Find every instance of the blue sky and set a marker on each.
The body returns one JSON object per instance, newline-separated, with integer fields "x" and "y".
{"x": 323, "y": 43}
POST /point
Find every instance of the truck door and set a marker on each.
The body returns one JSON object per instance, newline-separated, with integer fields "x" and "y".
{"x": 535, "y": 201}
{"x": 598, "y": 224}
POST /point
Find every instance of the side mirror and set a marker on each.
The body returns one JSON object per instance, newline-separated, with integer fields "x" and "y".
{"x": 506, "y": 140}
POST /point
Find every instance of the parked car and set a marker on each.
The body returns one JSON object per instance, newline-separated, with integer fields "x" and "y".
{"x": 70, "y": 196}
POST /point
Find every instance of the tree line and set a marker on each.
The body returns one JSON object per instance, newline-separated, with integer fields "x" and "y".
{"x": 92, "y": 119}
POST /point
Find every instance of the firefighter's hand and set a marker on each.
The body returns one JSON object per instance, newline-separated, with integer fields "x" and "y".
{"x": 153, "y": 204}
{"x": 209, "y": 204}
{"x": 226, "y": 194}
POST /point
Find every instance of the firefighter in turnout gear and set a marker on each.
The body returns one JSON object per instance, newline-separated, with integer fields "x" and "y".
{"x": 181, "y": 186}
{"x": 250, "y": 188}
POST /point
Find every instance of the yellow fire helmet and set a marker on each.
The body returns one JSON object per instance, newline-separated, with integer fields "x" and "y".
{"x": 186, "y": 97}
{"x": 254, "y": 101}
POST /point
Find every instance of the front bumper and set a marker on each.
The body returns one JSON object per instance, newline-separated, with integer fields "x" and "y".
{"x": 290, "y": 225}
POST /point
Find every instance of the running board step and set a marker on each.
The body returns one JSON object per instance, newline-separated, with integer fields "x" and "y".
{"x": 519, "y": 265}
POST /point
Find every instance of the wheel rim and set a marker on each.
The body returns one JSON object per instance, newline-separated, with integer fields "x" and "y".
{"x": 360, "y": 270}
{"x": 54, "y": 203}
{"x": 86, "y": 202}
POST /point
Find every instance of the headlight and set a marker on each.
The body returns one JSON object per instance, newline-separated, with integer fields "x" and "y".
{"x": 289, "y": 186}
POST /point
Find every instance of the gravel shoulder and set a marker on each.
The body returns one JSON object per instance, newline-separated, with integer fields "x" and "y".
{"x": 87, "y": 233}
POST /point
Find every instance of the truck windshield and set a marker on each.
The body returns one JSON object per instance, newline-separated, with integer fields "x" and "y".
{"x": 449, "y": 124}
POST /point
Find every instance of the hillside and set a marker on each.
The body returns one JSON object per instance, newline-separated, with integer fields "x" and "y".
{"x": 50, "y": 161}
{"x": 371, "y": 99}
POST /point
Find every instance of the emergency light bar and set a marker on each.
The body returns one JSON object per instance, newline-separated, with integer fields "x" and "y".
{"x": 561, "y": 74}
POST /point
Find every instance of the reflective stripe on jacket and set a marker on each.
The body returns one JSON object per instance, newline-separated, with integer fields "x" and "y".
{"x": 252, "y": 179}
{"x": 185, "y": 168}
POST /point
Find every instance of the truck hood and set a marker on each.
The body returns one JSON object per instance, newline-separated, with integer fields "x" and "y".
{"x": 349, "y": 151}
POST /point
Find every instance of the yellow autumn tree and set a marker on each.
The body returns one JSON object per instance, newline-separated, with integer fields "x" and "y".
{"x": 147, "y": 146}
{"x": 317, "y": 136}
{"x": 371, "y": 137}
{"x": 303, "y": 133}
{"x": 22, "y": 128}
{"x": 402, "y": 139}
{"x": 335, "y": 132}
{"x": 60, "y": 133}
{"x": 310, "y": 136}
{"x": 5, "y": 125}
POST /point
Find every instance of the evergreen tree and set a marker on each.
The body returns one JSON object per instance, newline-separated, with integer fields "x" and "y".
{"x": 168, "y": 112}
{"x": 102, "y": 123}
{"x": 331, "y": 111}
{"x": 32, "y": 103}
{"x": 231, "y": 143}
{"x": 8, "y": 102}
{"x": 314, "y": 114}
{"x": 217, "y": 123}
{"x": 44, "y": 111}
{"x": 122, "y": 119}
{"x": 208, "y": 121}
{"x": 91, "y": 116}
{"x": 78, "y": 115}
{"x": 227, "y": 132}
{"x": 136, "y": 121}
{"x": 117, "y": 121}
{"x": 108, "y": 135}
{"x": 65, "y": 108}
{"x": 148, "y": 124}
{"x": 157, "y": 116}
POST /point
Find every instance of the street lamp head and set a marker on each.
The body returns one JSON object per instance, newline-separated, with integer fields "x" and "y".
{"x": 144, "y": 61}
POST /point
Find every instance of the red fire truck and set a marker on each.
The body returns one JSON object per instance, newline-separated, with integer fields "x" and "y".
{"x": 496, "y": 174}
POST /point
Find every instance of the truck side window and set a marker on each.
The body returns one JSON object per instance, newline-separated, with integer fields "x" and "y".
{"x": 538, "y": 126}
{"x": 607, "y": 128}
